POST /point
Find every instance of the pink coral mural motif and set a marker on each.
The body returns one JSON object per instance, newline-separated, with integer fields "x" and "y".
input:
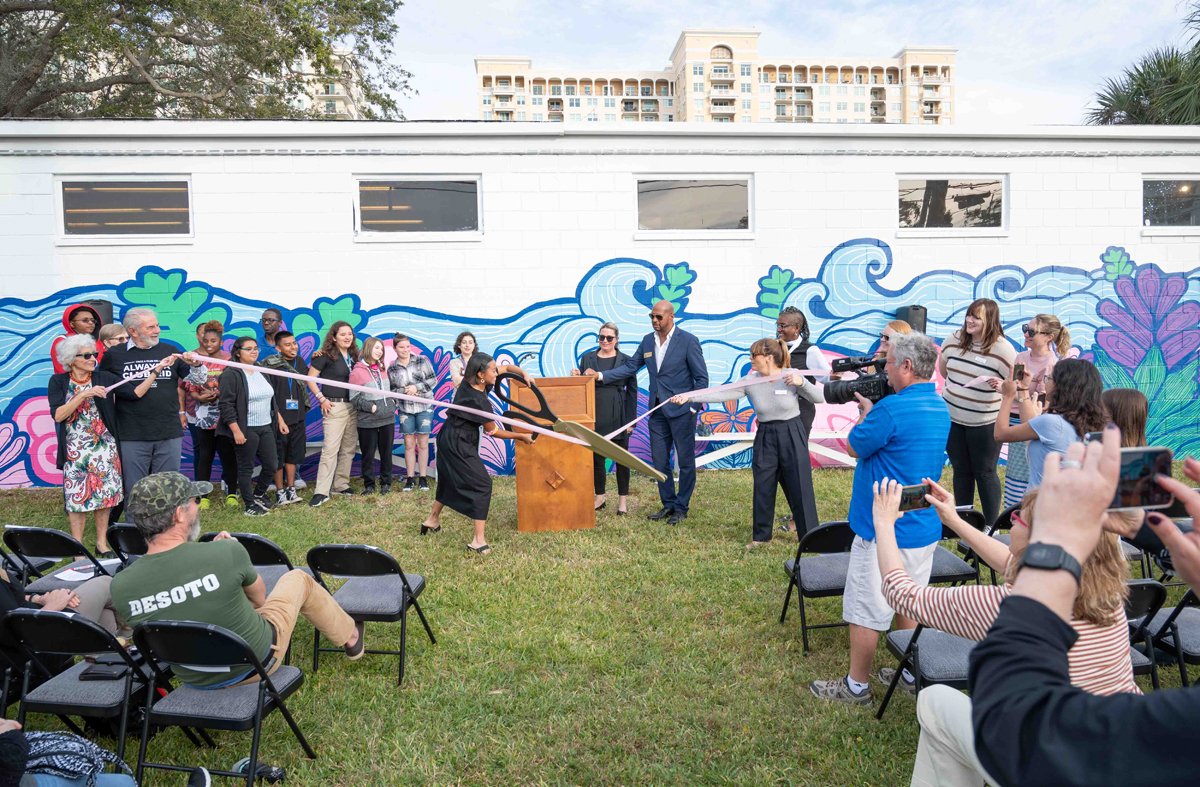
{"x": 12, "y": 454}
{"x": 34, "y": 420}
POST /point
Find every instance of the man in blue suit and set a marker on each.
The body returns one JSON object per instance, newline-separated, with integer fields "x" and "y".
{"x": 676, "y": 366}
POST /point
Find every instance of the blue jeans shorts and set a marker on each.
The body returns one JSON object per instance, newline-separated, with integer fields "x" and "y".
{"x": 416, "y": 423}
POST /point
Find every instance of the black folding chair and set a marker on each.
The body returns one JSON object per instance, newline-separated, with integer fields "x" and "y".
{"x": 378, "y": 590}
{"x": 975, "y": 519}
{"x": 949, "y": 567}
{"x": 931, "y": 656}
{"x": 22, "y": 571}
{"x": 44, "y": 632}
{"x": 821, "y": 576}
{"x": 240, "y": 707}
{"x": 44, "y": 542}
{"x": 1145, "y": 599}
{"x": 1178, "y": 631}
{"x": 267, "y": 557}
{"x": 126, "y": 541}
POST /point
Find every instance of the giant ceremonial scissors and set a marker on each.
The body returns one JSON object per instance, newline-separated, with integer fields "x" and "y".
{"x": 597, "y": 442}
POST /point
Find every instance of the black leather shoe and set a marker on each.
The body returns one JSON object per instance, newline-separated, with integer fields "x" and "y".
{"x": 676, "y": 518}
{"x": 661, "y": 513}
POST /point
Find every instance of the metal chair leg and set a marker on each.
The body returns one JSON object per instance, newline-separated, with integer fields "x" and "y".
{"x": 787, "y": 599}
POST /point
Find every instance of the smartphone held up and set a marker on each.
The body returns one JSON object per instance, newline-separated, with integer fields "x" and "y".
{"x": 1136, "y": 486}
{"x": 913, "y": 497}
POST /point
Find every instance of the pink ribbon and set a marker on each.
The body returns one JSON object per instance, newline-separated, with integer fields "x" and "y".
{"x": 378, "y": 392}
{"x": 742, "y": 383}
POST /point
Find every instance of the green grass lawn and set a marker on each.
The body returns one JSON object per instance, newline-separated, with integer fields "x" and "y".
{"x": 631, "y": 653}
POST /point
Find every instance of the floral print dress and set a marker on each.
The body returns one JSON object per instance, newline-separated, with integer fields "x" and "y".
{"x": 92, "y": 472}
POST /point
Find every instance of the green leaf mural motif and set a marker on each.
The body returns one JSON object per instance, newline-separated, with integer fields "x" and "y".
{"x": 774, "y": 289}
{"x": 1111, "y": 373}
{"x": 326, "y": 312}
{"x": 181, "y": 306}
{"x": 676, "y": 285}
{"x": 1116, "y": 263}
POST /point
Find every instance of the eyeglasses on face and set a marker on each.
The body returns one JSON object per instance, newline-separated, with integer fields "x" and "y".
{"x": 87, "y": 356}
{"x": 781, "y": 325}
{"x": 271, "y": 319}
{"x": 250, "y": 348}
{"x": 606, "y": 338}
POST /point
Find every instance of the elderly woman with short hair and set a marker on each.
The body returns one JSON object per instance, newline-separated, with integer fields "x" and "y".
{"x": 85, "y": 422}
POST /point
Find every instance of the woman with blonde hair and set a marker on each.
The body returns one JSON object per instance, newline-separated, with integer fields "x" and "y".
{"x": 780, "y": 441}
{"x": 1099, "y": 662}
{"x": 1047, "y": 341}
{"x": 333, "y": 361}
{"x": 977, "y": 350}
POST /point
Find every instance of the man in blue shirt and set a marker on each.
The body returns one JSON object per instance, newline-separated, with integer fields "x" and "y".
{"x": 902, "y": 437}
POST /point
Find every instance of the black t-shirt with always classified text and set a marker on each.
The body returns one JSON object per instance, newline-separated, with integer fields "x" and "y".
{"x": 155, "y": 416}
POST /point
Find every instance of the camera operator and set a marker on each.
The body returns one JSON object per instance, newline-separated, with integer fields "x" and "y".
{"x": 901, "y": 437}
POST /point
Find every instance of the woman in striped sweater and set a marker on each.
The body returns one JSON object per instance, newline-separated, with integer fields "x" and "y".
{"x": 974, "y": 360}
{"x": 1098, "y": 663}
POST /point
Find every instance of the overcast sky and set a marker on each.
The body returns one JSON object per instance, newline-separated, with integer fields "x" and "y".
{"x": 1019, "y": 61}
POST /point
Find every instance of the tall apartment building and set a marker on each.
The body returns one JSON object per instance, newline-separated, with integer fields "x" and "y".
{"x": 718, "y": 76}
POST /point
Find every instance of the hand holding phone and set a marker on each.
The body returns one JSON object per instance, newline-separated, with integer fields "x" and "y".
{"x": 1018, "y": 373}
{"x": 913, "y": 497}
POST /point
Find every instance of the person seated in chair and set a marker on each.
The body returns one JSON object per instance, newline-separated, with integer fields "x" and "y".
{"x": 181, "y": 579}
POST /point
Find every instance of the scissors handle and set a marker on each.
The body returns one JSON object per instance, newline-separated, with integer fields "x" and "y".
{"x": 543, "y": 412}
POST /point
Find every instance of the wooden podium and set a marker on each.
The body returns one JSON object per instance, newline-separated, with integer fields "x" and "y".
{"x": 554, "y": 478}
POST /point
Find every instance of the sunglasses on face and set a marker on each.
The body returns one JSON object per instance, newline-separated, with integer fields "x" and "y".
{"x": 1029, "y": 330}
{"x": 604, "y": 338}
{"x": 883, "y": 337}
{"x": 87, "y": 356}
{"x": 654, "y": 316}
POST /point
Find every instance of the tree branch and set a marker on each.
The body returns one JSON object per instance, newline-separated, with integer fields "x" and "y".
{"x": 158, "y": 87}
{"x": 33, "y": 72}
{"x": 26, "y": 107}
{"x": 22, "y": 6}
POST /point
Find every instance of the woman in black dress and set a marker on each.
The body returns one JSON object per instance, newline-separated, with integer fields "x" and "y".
{"x": 463, "y": 483}
{"x": 616, "y": 405}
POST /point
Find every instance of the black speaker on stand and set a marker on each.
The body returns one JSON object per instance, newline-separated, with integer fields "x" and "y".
{"x": 913, "y": 315}
{"x": 103, "y": 308}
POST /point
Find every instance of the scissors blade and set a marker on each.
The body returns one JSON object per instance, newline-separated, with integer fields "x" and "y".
{"x": 607, "y": 448}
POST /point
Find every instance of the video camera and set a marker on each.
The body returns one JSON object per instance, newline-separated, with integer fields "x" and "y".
{"x": 873, "y": 386}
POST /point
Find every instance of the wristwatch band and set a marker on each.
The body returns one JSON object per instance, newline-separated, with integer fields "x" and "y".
{"x": 1051, "y": 557}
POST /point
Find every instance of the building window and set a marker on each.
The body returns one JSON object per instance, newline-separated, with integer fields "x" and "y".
{"x": 330, "y": 107}
{"x": 126, "y": 207}
{"x": 698, "y": 104}
{"x": 418, "y": 205}
{"x": 841, "y": 106}
{"x": 487, "y": 115}
{"x": 609, "y": 117}
{"x": 1170, "y": 203}
{"x": 520, "y": 101}
{"x": 842, "y": 90}
{"x": 698, "y": 69}
{"x": 670, "y": 102}
{"x": 823, "y": 90}
{"x": 746, "y": 103}
{"x": 520, "y": 116}
{"x": 570, "y": 90}
{"x": 746, "y": 87}
{"x": 860, "y": 91}
{"x": 538, "y": 101}
{"x": 591, "y": 102}
{"x": 576, "y": 117}
{"x": 538, "y": 117}
{"x": 587, "y": 90}
{"x": 765, "y": 106}
{"x": 746, "y": 69}
{"x": 697, "y": 87}
{"x": 592, "y": 117}
{"x": 860, "y": 107}
{"x": 538, "y": 90}
{"x": 487, "y": 100}
{"x": 610, "y": 102}
{"x": 721, "y": 53}
{"x": 679, "y": 204}
{"x": 556, "y": 90}
{"x": 960, "y": 202}
{"x": 823, "y": 106}
{"x": 573, "y": 102}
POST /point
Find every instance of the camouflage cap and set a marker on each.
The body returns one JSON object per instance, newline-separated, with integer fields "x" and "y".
{"x": 162, "y": 492}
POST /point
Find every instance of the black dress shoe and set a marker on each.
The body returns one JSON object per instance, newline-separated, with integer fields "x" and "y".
{"x": 676, "y": 518}
{"x": 661, "y": 513}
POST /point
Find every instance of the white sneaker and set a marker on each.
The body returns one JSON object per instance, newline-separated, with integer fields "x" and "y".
{"x": 292, "y": 497}
{"x": 281, "y": 498}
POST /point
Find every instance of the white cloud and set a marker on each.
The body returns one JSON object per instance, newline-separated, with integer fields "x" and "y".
{"x": 1035, "y": 61}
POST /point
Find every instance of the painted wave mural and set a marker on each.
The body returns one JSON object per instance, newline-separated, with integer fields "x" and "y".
{"x": 1138, "y": 323}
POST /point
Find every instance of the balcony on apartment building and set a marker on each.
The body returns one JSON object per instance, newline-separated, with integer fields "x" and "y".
{"x": 804, "y": 94}
{"x": 722, "y": 107}
{"x": 721, "y": 75}
{"x": 503, "y": 89}
{"x": 554, "y": 105}
{"x": 931, "y": 79}
{"x": 932, "y": 109}
{"x": 878, "y": 95}
{"x": 629, "y": 106}
{"x": 649, "y": 106}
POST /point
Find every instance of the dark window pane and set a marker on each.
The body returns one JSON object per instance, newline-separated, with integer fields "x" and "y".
{"x": 976, "y": 202}
{"x": 693, "y": 204}
{"x": 418, "y": 206}
{"x": 1170, "y": 203}
{"x": 144, "y": 207}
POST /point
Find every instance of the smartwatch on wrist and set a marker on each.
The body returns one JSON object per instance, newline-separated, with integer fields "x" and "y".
{"x": 1051, "y": 557}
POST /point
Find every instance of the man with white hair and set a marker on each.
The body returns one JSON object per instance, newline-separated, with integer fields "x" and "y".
{"x": 902, "y": 437}
{"x": 150, "y": 424}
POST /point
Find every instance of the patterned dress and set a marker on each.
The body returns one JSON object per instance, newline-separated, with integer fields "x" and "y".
{"x": 92, "y": 471}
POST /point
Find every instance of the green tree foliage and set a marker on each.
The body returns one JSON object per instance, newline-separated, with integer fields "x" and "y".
{"x": 1162, "y": 88}
{"x": 194, "y": 58}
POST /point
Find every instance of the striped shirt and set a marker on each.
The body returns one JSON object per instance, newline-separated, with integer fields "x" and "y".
{"x": 974, "y": 404}
{"x": 1099, "y": 661}
{"x": 260, "y": 393}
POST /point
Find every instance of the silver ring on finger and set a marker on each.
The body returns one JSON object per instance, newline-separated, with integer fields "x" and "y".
{"x": 1070, "y": 464}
